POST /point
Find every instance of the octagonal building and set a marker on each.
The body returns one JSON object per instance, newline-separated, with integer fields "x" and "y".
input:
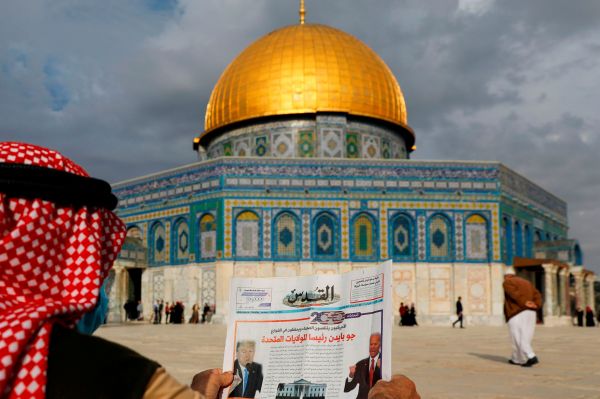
{"x": 304, "y": 169}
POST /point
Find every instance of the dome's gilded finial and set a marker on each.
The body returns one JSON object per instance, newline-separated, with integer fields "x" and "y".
{"x": 302, "y": 12}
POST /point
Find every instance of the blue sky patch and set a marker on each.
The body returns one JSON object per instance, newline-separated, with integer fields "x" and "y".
{"x": 53, "y": 77}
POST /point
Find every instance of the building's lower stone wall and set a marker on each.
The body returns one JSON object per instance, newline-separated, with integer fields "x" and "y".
{"x": 432, "y": 287}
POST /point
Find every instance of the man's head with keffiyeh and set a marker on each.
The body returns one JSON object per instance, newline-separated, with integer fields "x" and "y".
{"x": 58, "y": 240}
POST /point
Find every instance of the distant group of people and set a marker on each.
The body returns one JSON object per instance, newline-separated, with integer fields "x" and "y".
{"x": 408, "y": 315}
{"x": 589, "y": 317}
{"x": 174, "y": 313}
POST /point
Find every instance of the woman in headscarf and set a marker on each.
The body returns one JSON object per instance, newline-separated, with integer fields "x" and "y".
{"x": 589, "y": 317}
{"x": 58, "y": 240}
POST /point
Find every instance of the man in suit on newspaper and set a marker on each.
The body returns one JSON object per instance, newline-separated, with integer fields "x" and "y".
{"x": 246, "y": 371}
{"x": 367, "y": 371}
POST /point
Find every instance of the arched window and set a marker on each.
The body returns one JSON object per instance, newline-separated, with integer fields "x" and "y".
{"x": 287, "y": 236}
{"x": 247, "y": 235}
{"x": 364, "y": 238}
{"x": 208, "y": 237}
{"x": 325, "y": 236}
{"x": 538, "y": 236}
{"x": 440, "y": 238}
{"x": 401, "y": 237}
{"x": 518, "y": 239}
{"x": 548, "y": 238}
{"x": 477, "y": 241}
{"x": 181, "y": 241}
{"x": 159, "y": 244}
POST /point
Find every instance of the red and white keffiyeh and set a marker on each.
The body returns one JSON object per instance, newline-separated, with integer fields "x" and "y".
{"x": 53, "y": 260}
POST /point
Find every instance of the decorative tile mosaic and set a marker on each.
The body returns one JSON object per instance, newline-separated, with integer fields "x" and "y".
{"x": 306, "y": 144}
{"x": 267, "y": 233}
{"x": 352, "y": 145}
{"x": 261, "y": 147}
{"x": 325, "y": 235}
{"x": 247, "y": 235}
{"x": 158, "y": 286}
{"x": 458, "y": 235}
{"x": 242, "y": 147}
{"x": 401, "y": 237}
{"x": 363, "y": 237}
{"x": 208, "y": 236}
{"x": 305, "y": 239}
{"x": 183, "y": 241}
{"x": 439, "y": 247}
{"x": 209, "y": 286}
{"x": 227, "y": 149}
{"x": 421, "y": 238}
{"x": 282, "y": 145}
{"x": 386, "y": 151}
{"x": 370, "y": 147}
{"x": 332, "y": 144}
{"x": 476, "y": 233}
{"x": 159, "y": 243}
{"x": 286, "y": 234}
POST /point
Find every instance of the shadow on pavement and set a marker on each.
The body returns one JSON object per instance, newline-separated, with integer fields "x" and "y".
{"x": 493, "y": 358}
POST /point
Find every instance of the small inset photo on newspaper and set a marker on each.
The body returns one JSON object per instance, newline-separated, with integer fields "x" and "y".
{"x": 320, "y": 336}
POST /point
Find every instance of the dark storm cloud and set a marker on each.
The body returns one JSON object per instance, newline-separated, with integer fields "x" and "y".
{"x": 122, "y": 86}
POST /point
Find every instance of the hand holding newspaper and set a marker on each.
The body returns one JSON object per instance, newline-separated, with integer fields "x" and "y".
{"x": 320, "y": 336}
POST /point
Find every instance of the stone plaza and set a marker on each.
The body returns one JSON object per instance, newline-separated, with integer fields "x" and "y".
{"x": 445, "y": 363}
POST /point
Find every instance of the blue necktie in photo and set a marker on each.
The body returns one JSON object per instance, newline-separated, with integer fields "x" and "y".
{"x": 245, "y": 382}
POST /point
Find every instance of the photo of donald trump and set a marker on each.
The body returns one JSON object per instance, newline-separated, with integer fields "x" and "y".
{"x": 246, "y": 371}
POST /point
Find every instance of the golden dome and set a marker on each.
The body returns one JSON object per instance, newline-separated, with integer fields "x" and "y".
{"x": 305, "y": 69}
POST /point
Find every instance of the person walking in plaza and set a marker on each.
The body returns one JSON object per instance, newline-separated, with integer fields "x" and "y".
{"x": 589, "y": 317}
{"x": 155, "y": 312}
{"x": 521, "y": 301}
{"x": 160, "y": 311}
{"x": 412, "y": 316}
{"x": 205, "y": 311}
{"x": 403, "y": 314}
{"x": 58, "y": 241}
{"x": 459, "y": 313}
{"x": 580, "y": 315}
{"x": 167, "y": 313}
{"x": 195, "y": 319}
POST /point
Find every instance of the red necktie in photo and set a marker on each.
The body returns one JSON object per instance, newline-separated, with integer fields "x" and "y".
{"x": 371, "y": 372}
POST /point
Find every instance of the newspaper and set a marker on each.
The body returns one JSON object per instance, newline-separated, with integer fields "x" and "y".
{"x": 320, "y": 336}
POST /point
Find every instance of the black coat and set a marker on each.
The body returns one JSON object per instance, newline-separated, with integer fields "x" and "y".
{"x": 255, "y": 380}
{"x": 361, "y": 377}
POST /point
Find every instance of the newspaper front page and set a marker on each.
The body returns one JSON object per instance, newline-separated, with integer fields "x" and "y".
{"x": 320, "y": 336}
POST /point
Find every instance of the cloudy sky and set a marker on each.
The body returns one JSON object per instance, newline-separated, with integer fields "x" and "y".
{"x": 121, "y": 85}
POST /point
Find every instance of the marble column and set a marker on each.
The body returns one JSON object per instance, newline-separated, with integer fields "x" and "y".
{"x": 577, "y": 272}
{"x": 550, "y": 289}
